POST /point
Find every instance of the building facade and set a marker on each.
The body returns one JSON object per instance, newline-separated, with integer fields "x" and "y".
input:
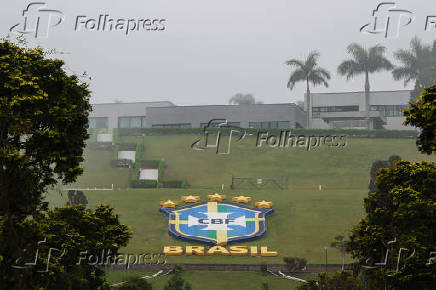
{"x": 347, "y": 110}
{"x": 246, "y": 116}
{"x": 121, "y": 115}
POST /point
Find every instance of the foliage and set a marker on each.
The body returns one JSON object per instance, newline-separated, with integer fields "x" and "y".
{"x": 352, "y": 133}
{"x": 422, "y": 114}
{"x": 401, "y": 213}
{"x": 242, "y": 99}
{"x": 135, "y": 284}
{"x": 265, "y": 286}
{"x": 71, "y": 239}
{"x": 43, "y": 128}
{"x": 295, "y": 264}
{"x": 309, "y": 72}
{"x": 343, "y": 280}
{"x": 176, "y": 282}
{"x": 341, "y": 244}
{"x": 76, "y": 197}
{"x": 364, "y": 61}
{"x": 376, "y": 166}
{"x": 417, "y": 65}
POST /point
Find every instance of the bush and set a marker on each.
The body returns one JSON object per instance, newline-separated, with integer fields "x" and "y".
{"x": 295, "y": 264}
{"x": 174, "y": 183}
{"x": 140, "y": 183}
{"x": 379, "y": 133}
{"x": 122, "y": 163}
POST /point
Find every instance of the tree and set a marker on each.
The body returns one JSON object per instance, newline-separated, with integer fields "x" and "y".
{"x": 71, "y": 243}
{"x": 364, "y": 61}
{"x": 43, "y": 128}
{"x": 417, "y": 65}
{"x": 295, "y": 264}
{"x": 242, "y": 99}
{"x": 400, "y": 214}
{"x": 376, "y": 166}
{"x": 341, "y": 245}
{"x": 309, "y": 72}
{"x": 422, "y": 114}
{"x": 176, "y": 282}
{"x": 76, "y": 197}
{"x": 343, "y": 280}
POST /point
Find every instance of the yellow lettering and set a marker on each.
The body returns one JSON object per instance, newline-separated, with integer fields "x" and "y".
{"x": 194, "y": 250}
{"x": 218, "y": 250}
{"x": 173, "y": 250}
{"x": 265, "y": 253}
{"x": 238, "y": 251}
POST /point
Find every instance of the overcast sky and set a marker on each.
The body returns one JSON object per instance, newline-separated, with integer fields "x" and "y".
{"x": 212, "y": 49}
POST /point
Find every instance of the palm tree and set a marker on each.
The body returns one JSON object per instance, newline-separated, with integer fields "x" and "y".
{"x": 417, "y": 65}
{"x": 310, "y": 72}
{"x": 364, "y": 61}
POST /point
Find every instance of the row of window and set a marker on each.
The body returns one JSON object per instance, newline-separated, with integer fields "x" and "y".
{"x": 349, "y": 124}
{"x": 385, "y": 110}
{"x": 98, "y": 123}
{"x": 316, "y": 111}
{"x": 140, "y": 122}
{"x": 270, "y": 125}
{"x": 390, "y": 110}
{"x": 132, "y": 122}
{"x": 181, "y": 125}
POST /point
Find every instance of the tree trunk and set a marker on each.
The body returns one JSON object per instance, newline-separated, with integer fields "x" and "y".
{"x": 367, "y": 88}
{"x": 308, "y": 105}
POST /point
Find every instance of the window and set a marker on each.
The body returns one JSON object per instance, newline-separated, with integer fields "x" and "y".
{"x": 316, "y": 111}
{"x": 270, "y": 125}
{"x": 184, "y": 125}
{"x": 98, "y": 123}
{"x": 284, "y": 125}
{"x": 234, "y": 124}
{"x": 132, "y": 122}
{"x": 389, "y": 110}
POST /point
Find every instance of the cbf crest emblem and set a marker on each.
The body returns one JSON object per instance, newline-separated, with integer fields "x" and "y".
{"x": 217, "y": 222}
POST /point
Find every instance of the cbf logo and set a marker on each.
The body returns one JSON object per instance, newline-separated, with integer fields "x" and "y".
{"x": 217, "y": 223}
{"x": 37, "y": 20}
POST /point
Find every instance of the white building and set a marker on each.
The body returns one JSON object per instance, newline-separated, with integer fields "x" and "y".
{"x": 347, "y": 110}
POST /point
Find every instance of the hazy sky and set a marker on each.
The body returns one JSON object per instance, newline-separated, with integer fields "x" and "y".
{"x": 211, "y": 50}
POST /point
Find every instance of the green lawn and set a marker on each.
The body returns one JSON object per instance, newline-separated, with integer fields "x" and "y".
{"x": 216, "y": 280}
{"x": 305, "y": 219}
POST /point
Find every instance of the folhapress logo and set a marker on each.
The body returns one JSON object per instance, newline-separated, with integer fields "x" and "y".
{"x": 38, "y": 20}
{"x": 387, "y": 20}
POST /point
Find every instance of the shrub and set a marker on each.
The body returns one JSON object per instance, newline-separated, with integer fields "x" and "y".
{"x": 295, "y": 264}
{"x": 174, "y": 183}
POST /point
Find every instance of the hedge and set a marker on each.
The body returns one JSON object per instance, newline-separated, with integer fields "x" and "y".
{"x": 351, "y": 133}
{"x": 174, "y": 184}
{"x": 139, "y": 183}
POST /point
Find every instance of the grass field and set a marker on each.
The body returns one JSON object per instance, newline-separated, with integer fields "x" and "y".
{"x": 216, "y": 280}
{"x": 305, "y": 219}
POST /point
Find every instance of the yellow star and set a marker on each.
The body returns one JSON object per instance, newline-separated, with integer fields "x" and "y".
{"x": 216, "y": 197}
{"x": 264, "y": 204}
{"x": 168, "y": 203}
{"x": 190, "y": 198}
{"x": 241, "y": 199}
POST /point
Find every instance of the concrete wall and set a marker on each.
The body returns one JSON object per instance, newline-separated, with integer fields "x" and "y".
{"x": 114, "y": 110}
{"x": 195, "y": 115}
{"x": 358, "y": 98}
